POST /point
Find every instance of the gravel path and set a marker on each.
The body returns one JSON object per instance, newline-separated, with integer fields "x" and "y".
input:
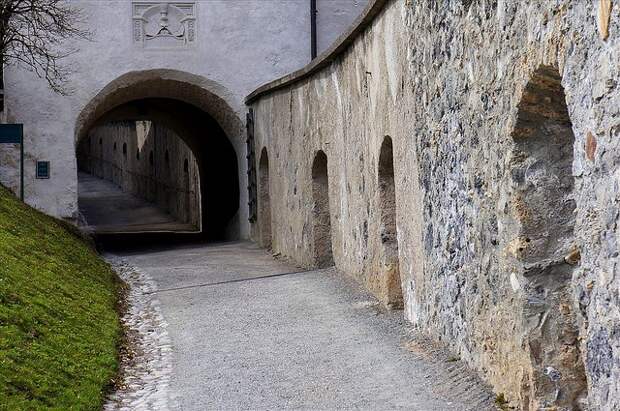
{"x": 249, "y": 332}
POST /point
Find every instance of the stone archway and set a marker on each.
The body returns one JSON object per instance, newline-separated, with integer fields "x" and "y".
{"x": 543, "y": 217}
{"x": 196, "y": 110}
{"x": 197, "y": 91}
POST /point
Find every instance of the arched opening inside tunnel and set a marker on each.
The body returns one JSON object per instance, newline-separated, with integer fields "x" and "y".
{"x": 321, "y": 219}
{"x": 390, "y": 268}
{"x": 544, "y": 209}
{"x": 118, "y": 193}
{"x": 264, "y": 200}
{"x": 184, "y": 174}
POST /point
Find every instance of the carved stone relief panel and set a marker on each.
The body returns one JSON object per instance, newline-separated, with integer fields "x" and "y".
{"x": 164, "y": 24}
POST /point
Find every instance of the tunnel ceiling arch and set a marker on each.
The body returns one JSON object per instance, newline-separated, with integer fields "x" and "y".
{"x": 205, "y": 94}
{"x": 194, "y": 108}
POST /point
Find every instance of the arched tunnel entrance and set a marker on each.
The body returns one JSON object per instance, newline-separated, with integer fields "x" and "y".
{"x": 153, "y": 158}
{"x": 137, "y": 176}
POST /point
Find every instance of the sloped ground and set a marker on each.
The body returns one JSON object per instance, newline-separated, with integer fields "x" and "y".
{"x": 108, "y": 209}
{"x": 58, "y": 325}
{"x": 249, "y": 332}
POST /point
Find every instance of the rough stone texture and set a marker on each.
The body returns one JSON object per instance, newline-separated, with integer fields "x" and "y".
{"x": 389, "y": 274}
{"x": 232, "y": 52}
{"x": 264, "y": 201}
{"x": 507, "y": 214}
{"x": 148, "y": 160}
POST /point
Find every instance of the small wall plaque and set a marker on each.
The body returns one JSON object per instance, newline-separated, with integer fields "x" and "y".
{"x": 43, "y": 169}
{"x": 164, "y": 24}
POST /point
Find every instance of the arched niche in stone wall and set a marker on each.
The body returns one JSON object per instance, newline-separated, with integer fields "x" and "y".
{"x": 321, "y": 218}
{"x": 264, "y": 200}
{"x": 544, "y": 250}
{"x": 390, "y": 267}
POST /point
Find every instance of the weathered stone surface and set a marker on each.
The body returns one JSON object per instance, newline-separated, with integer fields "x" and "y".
{"x": 604, "y": 13}
{"x": 590, "y": 146}
{"x": 507, "y": 232}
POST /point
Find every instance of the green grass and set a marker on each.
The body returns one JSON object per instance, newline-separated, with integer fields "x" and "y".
{"x": 59, "y": 328}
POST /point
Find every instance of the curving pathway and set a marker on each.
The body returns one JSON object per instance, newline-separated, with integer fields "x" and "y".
{"x": 249, "y": 332}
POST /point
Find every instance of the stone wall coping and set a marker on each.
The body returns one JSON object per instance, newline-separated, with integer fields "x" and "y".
{"x": 373, "y": 8}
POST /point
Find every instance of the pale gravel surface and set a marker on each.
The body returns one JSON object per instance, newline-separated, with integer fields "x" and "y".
{"x": 309, "y": 340}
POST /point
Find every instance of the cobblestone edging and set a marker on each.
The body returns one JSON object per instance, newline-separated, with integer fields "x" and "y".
{"x": 146, "y": 358}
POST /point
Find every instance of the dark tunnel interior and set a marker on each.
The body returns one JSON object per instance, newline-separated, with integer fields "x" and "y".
{"x": 211, "y": 147}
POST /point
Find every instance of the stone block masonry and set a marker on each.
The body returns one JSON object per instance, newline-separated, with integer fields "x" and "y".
{"x": 471, "y": 153}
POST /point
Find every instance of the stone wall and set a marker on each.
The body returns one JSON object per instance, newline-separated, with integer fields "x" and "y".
{"x": 147, "y": 160}
{"x": 502, "y": 121}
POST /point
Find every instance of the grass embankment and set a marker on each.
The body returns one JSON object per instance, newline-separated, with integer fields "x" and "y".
{"x": 58, "y": 325}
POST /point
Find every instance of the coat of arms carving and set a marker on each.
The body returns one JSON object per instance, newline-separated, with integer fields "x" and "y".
{"x": 164, "y": 24}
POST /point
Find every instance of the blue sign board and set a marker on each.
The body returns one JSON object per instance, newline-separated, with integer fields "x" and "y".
{"x": 11, "y": 133}
{"x": 43, "y": 169}
{"x": 14, "y": 134}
